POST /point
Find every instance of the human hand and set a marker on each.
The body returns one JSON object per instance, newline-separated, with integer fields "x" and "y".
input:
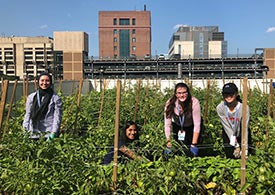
{"x": 237, "y": 152}
{"x": 169, "y": 144}
{"x": 194, "y": 150}
{"x": 51, "y": 136}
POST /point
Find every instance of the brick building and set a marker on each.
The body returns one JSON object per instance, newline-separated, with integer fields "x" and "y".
{"x": 124, "y": 34}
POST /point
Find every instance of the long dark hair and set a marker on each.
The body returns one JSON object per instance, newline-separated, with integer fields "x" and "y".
{"x": 186, "y": 105}
{"x": 123, "y": 132}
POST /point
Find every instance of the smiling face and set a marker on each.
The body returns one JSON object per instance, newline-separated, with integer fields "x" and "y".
{"x": 181, "y": 93}
{"x": 131, "y": 132}
{"x": 44, "y": 82}
{"x": 230, "y": 98}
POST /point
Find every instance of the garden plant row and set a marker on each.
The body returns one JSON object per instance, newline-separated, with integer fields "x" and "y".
{"x": 72, "y": 163}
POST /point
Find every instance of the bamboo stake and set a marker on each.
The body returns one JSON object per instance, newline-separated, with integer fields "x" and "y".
{"x": 101, "y": 104}
{"x": 206, "y": 102}
{"x": 78, "y": 103}
{"x": 24, "y": 91}
{"x": 146, "y": 97}
{"x": 257, "y": 84}
{"x": 10, "y": 108}
{"x": 244, "y": 133}
{"x": 137, "y": 99}
{"x": 3, "y": 103}
{"x": 118, "y": 99}
{"x": 69, "y": 110}
{"x": 270, "y": 97}
{"x": 272, "y": 100}
{"x": 59, "y": 85}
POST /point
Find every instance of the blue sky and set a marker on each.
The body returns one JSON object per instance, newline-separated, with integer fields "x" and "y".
{"x": 247, "y": 24}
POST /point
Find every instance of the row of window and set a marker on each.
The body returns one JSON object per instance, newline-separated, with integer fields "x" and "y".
{"x": 133, "y": 31}
{"x": 124, "y": 21}
{"x": 134, "y": 48}
{"x": 133, "y": 40}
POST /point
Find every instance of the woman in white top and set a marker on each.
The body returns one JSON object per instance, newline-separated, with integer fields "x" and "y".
{"x": 230, "y": 114}
{"x": 43, "y": 110}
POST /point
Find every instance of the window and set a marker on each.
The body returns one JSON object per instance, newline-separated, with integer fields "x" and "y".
{"x": 134, "y": 31}
{"x": 115, "y": 31}
{"x": 124, "y": 21}
{"x": 124, "y": 43}
{"x": 134, "y": 48}
{"x": 115, "y": 48}
{"x": 115, "y": 21}
{"x": 115, "y": 39}
{"x": 134, "y": 40}
{"x": 133, "y": 21}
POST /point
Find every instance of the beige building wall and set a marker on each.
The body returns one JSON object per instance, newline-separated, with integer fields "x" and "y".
{"x": 71, "y": 41}
{"x": 215, "y": 49}
{"x": 187, "y": 49}
{"x": 25, "y": 56}
{"x": 75, "y": 48}
{"x": 269, "y": 60}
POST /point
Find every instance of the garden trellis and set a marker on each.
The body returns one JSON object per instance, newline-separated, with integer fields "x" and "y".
{"x": 72, "y": 164}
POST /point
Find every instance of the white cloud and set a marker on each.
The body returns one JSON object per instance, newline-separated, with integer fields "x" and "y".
{"x": 44, "y": 26}
{"x": 271, "y": 29}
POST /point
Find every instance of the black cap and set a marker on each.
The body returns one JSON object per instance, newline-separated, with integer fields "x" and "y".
{"x": 229, "y": 88}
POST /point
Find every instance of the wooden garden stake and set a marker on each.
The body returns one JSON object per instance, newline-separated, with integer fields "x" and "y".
{"x": 3, "y": 103}
{"x": 272, "y": 100}
{"x": 137, "y": 99}
{"x": 24, "y": 91}
{"x": 270, "y": 97}
{"x": 59, "y": 85}
{"x": 146, "y": 97}
{"x": 35, "y": 83}
{"x": 206, "y": 102}
{"x": 101, "y": 103}
{"x": 118, "y": 93}
{"x": 10, "y": 108}
{"x": 78, "y": 103}
{"x": 244, "y": 133}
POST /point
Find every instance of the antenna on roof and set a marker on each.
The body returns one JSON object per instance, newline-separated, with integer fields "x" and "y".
{"x": 144, "y": 7}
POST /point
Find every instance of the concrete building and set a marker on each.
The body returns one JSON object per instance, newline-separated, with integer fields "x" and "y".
{"x": 70, "y": 49}
{"x": 124, "y": 34}
{"x": 197, "y": 42}
{"x": 25, "y": 56}
{"x": 269, "y": 56}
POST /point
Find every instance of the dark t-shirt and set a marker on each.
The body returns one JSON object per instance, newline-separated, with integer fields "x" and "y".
{"x": 109, "y": 156}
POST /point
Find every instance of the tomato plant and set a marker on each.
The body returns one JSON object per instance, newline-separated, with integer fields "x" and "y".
{"x": 72, "y": 163}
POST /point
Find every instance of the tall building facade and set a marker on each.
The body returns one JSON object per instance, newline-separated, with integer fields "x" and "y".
{"x": 198, "y": 42}
{"x": 269, "y": 54}
{"x": 70, "y": 51}
{"x": 25, "y": 57}
{"x": 124, "y": 34}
